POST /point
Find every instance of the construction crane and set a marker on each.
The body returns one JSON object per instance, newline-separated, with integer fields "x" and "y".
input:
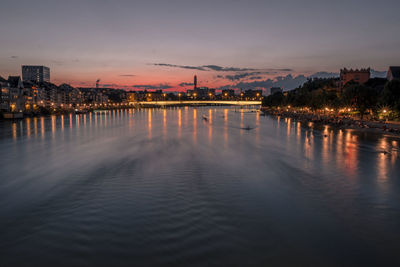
{"x": 97, "y": 83}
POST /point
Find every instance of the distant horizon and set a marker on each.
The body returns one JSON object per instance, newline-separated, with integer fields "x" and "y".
{"x": 155, "y": 43}
{"x": 287, "y": 82}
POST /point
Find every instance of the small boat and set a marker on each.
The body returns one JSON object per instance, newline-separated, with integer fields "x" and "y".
{"x": 205, "y": 118}
{"x": 248, "y": 128}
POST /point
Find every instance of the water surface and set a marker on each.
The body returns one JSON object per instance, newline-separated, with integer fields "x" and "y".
{"x": 164, "y": 187}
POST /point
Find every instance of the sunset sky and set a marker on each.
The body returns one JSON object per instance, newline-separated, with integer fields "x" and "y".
{"x": 162, "y": 44}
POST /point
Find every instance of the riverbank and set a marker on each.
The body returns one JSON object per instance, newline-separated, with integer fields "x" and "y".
{"x": 339, "y": 121}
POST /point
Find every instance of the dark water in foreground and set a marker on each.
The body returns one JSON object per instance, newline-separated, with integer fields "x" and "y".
{"x": 165, "y": 188}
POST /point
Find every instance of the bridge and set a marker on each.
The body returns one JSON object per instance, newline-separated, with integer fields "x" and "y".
{"x": 197, "y": 102}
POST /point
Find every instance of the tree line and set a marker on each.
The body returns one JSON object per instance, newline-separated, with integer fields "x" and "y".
{"x": 374, "y": 97}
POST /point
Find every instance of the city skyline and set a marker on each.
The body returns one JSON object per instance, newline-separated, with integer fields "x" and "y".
{"x": 162, "y": 45}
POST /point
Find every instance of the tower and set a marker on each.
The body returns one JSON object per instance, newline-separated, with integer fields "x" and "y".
{"x": 195, "y": 82}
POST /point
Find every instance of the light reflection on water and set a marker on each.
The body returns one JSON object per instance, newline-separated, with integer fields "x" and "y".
{"x": 164, "y": 186}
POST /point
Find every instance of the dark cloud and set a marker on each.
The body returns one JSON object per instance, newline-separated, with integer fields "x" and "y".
{"x": 14, "y": 57}
{"x": 217, "y": 68}
{"x": 287, "y": 82}
{"x": 325, "y": 75}
{"x": 180, "y": 66}
{"x": 246, "y": 75}
{"x": 255, "y": 75}
{"x": 256, "y": 78}
{"x": 152, "y": 87}
{"x": 185, "y": 84}
{"x": 127, "y": 75}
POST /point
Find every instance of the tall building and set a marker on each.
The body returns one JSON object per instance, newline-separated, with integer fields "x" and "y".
{"x": 35, "y": 73}
{"x": 195, "y": 82}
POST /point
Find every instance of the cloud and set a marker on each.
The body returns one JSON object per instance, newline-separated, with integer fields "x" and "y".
{"x": 217, "y": 68}
{"x": 185, "y": 84}
{"x": 378, "y": 74}
{"x": 255, "y": 75}
{"x": 14, "y": 57}
{"x": 246, "y": 75}
{"x": 325, "y": 75}
{"x": 237, "y": 76}
{"x": 256, "y": 78}
{"x": 287, "y": 82}
{"x": 180, "y": 66}
{"x": 152, "y": 87}
{"x": 127, "y": 75}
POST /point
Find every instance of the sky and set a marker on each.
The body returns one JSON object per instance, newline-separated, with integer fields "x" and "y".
{"x": 227, "y": 43}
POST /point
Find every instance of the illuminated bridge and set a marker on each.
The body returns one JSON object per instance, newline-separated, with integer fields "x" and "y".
{"x": 198, "y": 102}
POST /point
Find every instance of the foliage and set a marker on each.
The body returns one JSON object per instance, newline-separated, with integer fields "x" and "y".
{"x": 361, "y": 97}
{"x": 391, "y": 94}
{"x": 320, "y": 93}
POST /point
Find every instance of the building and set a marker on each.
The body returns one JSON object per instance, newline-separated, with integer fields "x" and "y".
{"x": 393, "y": 73}
{"x": 16, "y": 98}
{"x": 252, "y": 94}
{"x": 4, "y": 94}
{"x": 275, "y": 90}
{"x": 360, "y": 76}
{"x": 35, "y": 73}
{"x": 195, "y": 82}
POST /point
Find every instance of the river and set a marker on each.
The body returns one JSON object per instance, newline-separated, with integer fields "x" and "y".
{"x": 165, "y": 187}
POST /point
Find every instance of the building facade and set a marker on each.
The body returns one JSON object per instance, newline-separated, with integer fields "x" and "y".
{"x": 360, "y": 76}
{"x": 35, "y": 73}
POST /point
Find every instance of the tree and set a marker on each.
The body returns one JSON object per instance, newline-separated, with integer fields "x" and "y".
{"x": 360, "y": 97}
{"x": 274, "y": 100}
{"x": 317, "y": 100}
{"x": 391, "y": 94}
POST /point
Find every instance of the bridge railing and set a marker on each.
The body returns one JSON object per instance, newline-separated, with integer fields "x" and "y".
{"x": 197, "y": 102}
